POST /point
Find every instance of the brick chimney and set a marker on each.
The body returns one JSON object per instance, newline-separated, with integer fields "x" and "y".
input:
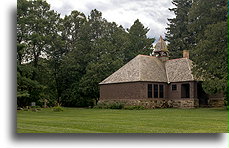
{"x": 186, "y": 54}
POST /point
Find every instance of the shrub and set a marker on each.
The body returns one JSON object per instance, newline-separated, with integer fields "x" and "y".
{"x": 57, "y": 109}
{"x": 115, "y": 105}
{"x": 135, "y": 107}
{"x": 101, "y": 106}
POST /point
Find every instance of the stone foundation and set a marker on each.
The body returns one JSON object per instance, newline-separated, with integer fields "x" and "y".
{"x": 159, "y": 103}
{"x": 196, "y": 103}
{"x": 216, "y": 102}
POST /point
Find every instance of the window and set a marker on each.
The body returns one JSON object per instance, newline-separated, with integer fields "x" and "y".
{"x": 150, "y": 95}
{"x": 161, "y": 92}
{"x": 174, "y": 87}
{"x": 155, "y": 86}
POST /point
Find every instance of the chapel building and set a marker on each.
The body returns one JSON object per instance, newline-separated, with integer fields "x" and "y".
{"x": 157, "y": 82}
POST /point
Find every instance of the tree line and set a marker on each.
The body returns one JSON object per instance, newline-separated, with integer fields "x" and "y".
{"x": 62, "y": 60}
{"x": 200, "y": 26}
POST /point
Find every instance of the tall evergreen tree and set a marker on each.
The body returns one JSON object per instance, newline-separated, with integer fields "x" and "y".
{"x": 139, "y": 43}
{"x": 204, "y": 13}
{"x": 178, "y": 35}
{"x": 208, "y": 19}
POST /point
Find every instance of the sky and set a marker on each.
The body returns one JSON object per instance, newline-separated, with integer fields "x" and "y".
{"x": 152, "y": 13}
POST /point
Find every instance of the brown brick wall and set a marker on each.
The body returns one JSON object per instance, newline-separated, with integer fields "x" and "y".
{"x": 133, "y": 90}
{"x": 176, "y": 94}
{"x": 144, "y": 90}
{"x": 139, "y": 91}
{"x": 121, "y": 91}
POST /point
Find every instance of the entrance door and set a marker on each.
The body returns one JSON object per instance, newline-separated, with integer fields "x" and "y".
{"x": 185, "y": 90}
{"x": 201, "y": 95}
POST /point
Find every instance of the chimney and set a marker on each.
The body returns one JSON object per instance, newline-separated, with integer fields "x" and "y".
{"x": 186, "y": 54}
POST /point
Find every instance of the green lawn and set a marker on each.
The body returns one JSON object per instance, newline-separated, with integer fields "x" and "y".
{"x": 73, "y": 120}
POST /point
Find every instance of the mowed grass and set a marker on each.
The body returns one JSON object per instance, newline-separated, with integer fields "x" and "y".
{"x": 75, "y": 120}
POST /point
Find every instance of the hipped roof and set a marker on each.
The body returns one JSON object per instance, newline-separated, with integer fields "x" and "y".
{"x": 150, "y": 68}
{"x": 179, "y": 70}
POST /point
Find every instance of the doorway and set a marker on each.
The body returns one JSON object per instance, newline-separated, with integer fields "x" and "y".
{"x": 185, "y": 90}
{"x": 201, "y": 95}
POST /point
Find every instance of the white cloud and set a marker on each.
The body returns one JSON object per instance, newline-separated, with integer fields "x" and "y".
{"x": 152, "y": 13}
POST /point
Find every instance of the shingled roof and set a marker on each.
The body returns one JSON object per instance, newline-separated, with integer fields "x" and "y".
{"x": 141, "y": 68}
{"x": 179, "y": 70}
{"x": 150, "y": 68}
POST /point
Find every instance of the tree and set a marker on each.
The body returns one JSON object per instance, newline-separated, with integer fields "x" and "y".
{"x": 201, "y": 26}
{"x": 203, "y": 13}
{"x": 27, "y": 88}
{"x": 36, "y": 29}
{"x": 178, "y": 35}
{"x": 73, "y": 54}
{"x": 98, "y": 52}
{"x": 109, "y": 61}
{"x": 210, "y": 53}
{"x": 211, "y": 58}
{"x": 138, "y": 41}
{"x": 66, "y": 44}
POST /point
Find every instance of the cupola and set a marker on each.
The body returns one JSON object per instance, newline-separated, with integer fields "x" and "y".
{"x": 161, "y": 50}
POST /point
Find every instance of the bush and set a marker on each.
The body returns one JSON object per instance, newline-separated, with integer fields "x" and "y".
{"x": 57, "y": 109}
{"x": 115, "y": 105}
{"x": 101, "y": 106}
{"x": 136, "y": 107}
